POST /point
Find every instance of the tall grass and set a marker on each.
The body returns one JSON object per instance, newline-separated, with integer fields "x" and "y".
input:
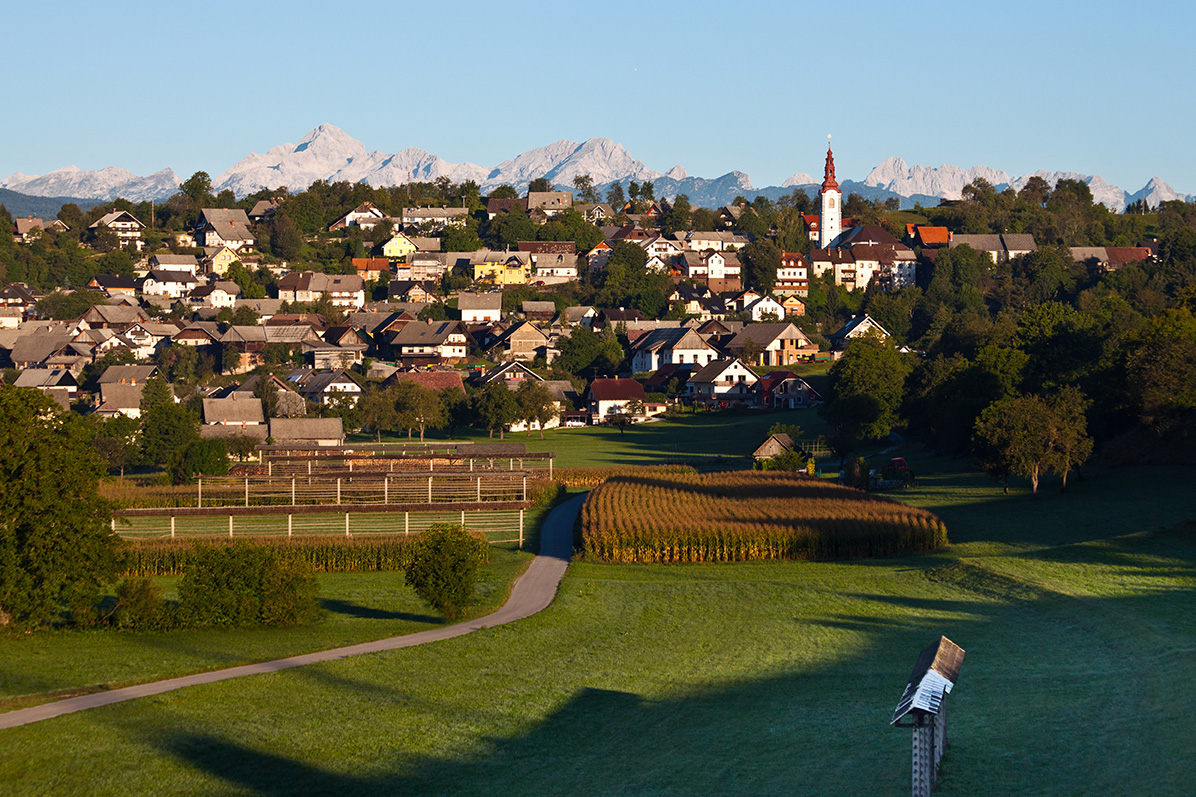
{"x": 325, "y": 554}
{"x": 745, "y": 515}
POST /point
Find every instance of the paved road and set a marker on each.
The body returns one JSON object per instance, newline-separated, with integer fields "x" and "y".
{"x": 533, "y": 591}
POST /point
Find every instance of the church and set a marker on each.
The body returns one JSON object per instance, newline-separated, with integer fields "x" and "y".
{"x": 856, "y": 254}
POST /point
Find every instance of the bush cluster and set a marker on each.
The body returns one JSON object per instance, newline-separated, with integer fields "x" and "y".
{"x": 240, "y": 585}
{"x": 444, "y": 567}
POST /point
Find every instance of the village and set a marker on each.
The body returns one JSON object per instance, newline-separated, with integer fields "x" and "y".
{"x": 457, "y": 320}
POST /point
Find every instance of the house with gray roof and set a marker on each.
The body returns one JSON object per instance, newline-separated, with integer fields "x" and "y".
{"x": 224, "y": 227}
{"x": 307, "y": 431}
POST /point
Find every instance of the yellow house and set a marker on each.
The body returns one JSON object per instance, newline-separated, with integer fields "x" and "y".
{"x": 398, "y": 248}
{"x": 217, "y": 259}
{"x": 504, "y": 268}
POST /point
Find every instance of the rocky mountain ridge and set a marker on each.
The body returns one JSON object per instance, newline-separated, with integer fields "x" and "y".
{"x": 329, "y": 153}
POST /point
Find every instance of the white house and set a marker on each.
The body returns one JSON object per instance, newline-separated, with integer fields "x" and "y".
{"x": 724, "y": 381}
{"x": 660, "y": 347}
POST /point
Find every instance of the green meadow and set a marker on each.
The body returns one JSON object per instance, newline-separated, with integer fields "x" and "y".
{"x": 1077, "y": 612}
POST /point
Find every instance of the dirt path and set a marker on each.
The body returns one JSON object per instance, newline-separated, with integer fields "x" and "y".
{"x": 533, "y": 591}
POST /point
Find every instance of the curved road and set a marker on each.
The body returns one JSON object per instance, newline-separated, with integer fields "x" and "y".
{"x": 533, "y": 591}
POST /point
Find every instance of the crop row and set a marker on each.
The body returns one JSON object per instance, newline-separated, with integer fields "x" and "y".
{"x": 745, "y": 515}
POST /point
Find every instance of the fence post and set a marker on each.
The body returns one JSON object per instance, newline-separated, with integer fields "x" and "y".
{"x": 479, "y": 489}
{"x": 406, "y": 524}
{"x": 270, "y": 468}
{"x": 429, "y": 489}
{"x": 386, "y": 489}
{"x": 525, "y": 487}
{"x": 338, "y": 489}
{"x": 346, "y": 524}
{"x": 292, "y": 491}
{"x": 112, "y": 524}
{"x": 471, "y": 464}
{"x": 462, "y": 518}
{"x": 512, "y": 467}
{"x": 290, "y": 527}
{"x": 230, "y": 526}
{"x": 550, "y": 468}
{"x": 246, "y": 491}
{"x": 199, "y": 495}
{"x": 172, "y": 527}
{"x": 521, "y": 529}
{"x": 350, "y": 466}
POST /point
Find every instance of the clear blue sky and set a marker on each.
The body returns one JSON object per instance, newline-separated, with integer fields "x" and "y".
{"x": 1091, "y": 87}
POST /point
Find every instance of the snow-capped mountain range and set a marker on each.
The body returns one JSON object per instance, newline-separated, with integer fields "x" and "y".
{"x": 329, "y": 153}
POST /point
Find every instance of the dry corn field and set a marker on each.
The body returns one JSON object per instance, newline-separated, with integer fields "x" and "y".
{"x": 746, "y": 515}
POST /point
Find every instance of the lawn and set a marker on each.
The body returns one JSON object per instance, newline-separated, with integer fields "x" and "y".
{"x": 1077, "y": 612}
{"x": 714, "y": 439}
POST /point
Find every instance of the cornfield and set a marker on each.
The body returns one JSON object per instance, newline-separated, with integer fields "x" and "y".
{"x": 590, "y": 477}
{"x": 746, "y": 515}
{"x": 330, "y": 554}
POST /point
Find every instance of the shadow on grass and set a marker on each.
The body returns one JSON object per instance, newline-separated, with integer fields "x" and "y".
{"x": 338, "y": 606}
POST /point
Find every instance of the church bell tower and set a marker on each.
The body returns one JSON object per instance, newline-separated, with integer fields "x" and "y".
{"x": 830, "y": 219}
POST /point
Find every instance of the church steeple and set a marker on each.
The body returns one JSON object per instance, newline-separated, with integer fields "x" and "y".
{"x": 830, "y": 220}
{"x": 828, "y": 180}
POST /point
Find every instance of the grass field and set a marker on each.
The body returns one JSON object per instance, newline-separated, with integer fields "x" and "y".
{"x": 1077, "y": 611}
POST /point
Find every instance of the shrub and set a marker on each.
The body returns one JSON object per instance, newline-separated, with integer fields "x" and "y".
{"x": 444, "y": 567}
{"x": 139, "y": 604}
{"x": 243, "y": 585}
{"x": 201, "y": 457}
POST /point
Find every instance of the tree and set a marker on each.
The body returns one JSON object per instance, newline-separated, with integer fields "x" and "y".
{"x": 444, "y": 566}
{"x": 458, "y": 411}
{"x": 197, "y": 188}
{"x": 230, "y": 359}
{"x": 267, "y": 392}
{"x": 286, "y": 239}
{"x": 583, "y": 184}
{"x": 536, "y": 404}
{"x": 539, "y": 185}
{"x": 614, "y": 196}
{"x": 496, "y": 408}
{"x": 156, "y": 393}
{"x": 115, "y": 440}
{"x": 417, "y": 407}
{"x": 377, "y": 410}
{"x": 56, "y": 547}
{"x": 678, "y": 217}
{"x": 504, "y": 191}
{"x": 60, "y": 306}
{"x": 865, "y": 388}
{"x": 1070, "y": 443}
{"x": 1013, "y": 436}
{"x": 165, "y": 430}
{"x": 761, "y": 259}
{"x": 198, "y": 458}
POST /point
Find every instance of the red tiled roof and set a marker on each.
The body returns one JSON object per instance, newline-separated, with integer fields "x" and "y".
{"x": 433, "y": 380}
{"x": 934, "y": 235}
{"x": 1120, "y": 255}
{"x": 616, "y": 390}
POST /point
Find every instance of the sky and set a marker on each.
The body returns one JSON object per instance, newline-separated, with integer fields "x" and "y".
{"x": 1091, "y": 87}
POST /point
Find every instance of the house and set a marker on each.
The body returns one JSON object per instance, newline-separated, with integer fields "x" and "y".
{"x": 236, "y": 410}
{"x": 999, "y": 248}
{"x": 723, "y": 382}
{"x": 502, "y": 205}
{"x": 793, "y": 306}
{"x": 264, "y": 209}
{"x": 366, "y": 215}
{"x": 325, "y": 388}
{"x": 111, "y": 316}
{"x": 58, "y": 383}
{"x": 511, "y": 373}
{"x": 550, "y": 203}
{"x": 786, "y": 390}
{"x": 857, "y": 327}
{"x": 580, "y": 314}
{"x": 502, "y": 268}
{"x": 145, "y": 338}
{"x": 171, "y": 284}
{"x": 409, "y": 291}
{"x": 771, "y": 344}
{"x": 595, "y": 213}
{"x": 776, "y": 445}
{"x": 436, "y": 381}
{"x": 607, "y": 397}
{"x": 718, "y": 241}
{"x": 343, "y": 347}
{"x": 765, "y": 308}
{"x": 522, "y": 341}
{"x": 217, "y": 260}
{"x": 435, "y": 218}
{"x": 251, "y": 342}
{"x": 307, "y": 431}
{"x": 19, "y": 295}
{"x": 420, "y": 343}
{"x": 371, "y": 269}
{"x": 127, "y": 228}
{"x": 197, "y": 334}
{"x": 538, "y": 311}
{"x": 658, "y": 347}
{"x": 597, "y": 257}
{"x": 224, "y": 227}
{"x": 306, "y": 287}
{"x": 216, "y": 295}
{"x": 477, "y": 307}
{"x": 27, "y": 229}
{"x": 120, "y": 398}
{"x": 931, "y": 237}
{"x": 286, "y": 402}
{"x": 113, "y": 285}
{"x": 165, "y": 262}
{"x": 11, "y": 317}
{"x": 399, "y": 247}
{"x": 793, "y": 275}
